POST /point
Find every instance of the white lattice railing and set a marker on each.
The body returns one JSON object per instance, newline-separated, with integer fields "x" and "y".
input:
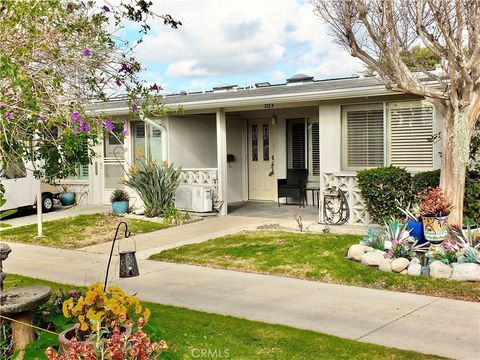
{"x": 348, "y": 184}
{"x": 204, "y": 176}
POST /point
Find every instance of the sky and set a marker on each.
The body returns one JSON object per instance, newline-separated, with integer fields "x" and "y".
{"x": 239, "y": 42}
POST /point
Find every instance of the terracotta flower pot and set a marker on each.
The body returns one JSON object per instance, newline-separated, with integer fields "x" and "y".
{"x": 435, "y": 228}
{"x": 65, "y": 337}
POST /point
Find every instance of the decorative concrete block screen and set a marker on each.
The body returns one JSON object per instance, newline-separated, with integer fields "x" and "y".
{"x": 80, "y": 189}
{"x": 348, "y": 184}
{"x": 204, "y": 177}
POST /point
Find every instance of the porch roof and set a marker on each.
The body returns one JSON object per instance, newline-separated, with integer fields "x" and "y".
{"x": 316, "y": 90}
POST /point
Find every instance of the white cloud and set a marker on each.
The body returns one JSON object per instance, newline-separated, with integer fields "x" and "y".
{"x": 245, "y": 39}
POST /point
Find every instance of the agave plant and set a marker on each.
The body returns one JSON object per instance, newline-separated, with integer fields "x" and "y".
{"x": 398, "y": 241}
{"x": 156, "y": 185}
{"x": 467, "y": 244}
{"x": 373, "y": 239}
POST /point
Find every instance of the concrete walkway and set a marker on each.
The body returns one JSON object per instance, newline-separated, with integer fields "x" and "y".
{"x": 422, "y": 323}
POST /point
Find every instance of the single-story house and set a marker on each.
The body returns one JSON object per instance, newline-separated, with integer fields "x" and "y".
{"x": 239, "y": 140}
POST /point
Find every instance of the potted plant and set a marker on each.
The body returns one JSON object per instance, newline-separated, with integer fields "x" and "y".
{"x": 102, "y": 313}
{"x": 120, "y": 201}
{"x": 414, "y": 223}
{"x": 67, "y": 198}
{"x": 435, "y": 208}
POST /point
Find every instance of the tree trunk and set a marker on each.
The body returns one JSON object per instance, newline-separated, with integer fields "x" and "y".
{"x": 452, "y": 183}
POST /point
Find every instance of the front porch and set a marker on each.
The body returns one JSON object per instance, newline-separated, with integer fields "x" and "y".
{"x": 241, "y": 154}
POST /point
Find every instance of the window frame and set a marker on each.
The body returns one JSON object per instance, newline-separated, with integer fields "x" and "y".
{"x": 344, "y": 131}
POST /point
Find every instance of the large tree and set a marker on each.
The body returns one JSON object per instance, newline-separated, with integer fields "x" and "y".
{"x": 56, "y": 58}
{"x": 385, "y": 34}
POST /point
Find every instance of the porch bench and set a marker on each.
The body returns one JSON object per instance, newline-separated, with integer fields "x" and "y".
{"x": 294, "y": 186}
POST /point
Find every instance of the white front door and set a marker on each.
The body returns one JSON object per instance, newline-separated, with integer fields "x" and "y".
{"x": 262, "y": 180}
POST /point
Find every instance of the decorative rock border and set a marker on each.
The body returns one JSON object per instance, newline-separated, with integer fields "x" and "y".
{"x": 437, "y": 269}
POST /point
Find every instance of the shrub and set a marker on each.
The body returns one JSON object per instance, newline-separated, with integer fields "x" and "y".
{"x": 471, "y": 203}
{"x": 383, "y": 189}
{"x": 425, "y": 180}
{"x": 155, "y": 183}
{"x": 119, "y": 195}
{"x": 173, "y": 216}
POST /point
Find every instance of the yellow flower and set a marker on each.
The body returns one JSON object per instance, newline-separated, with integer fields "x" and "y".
{"x": 139, "y": 154}
{"x": 134, "y": 169}
{"x": 84, "y": 326}
{"x": 67, "y": 307}
{"x": 138, "y": 309}
{"x": 165, "y": 163}
{"x": 146, "y": 314}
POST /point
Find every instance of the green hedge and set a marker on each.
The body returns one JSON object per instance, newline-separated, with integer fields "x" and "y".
{"x": 381, "y": 188}
{"x": 471, "y": 203}
{"x": 425, "y": 179}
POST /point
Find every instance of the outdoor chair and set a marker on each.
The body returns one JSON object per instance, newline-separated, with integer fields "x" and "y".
{"x": 294, "y": 186}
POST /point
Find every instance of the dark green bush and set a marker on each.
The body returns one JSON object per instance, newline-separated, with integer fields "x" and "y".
{"x": 425, "y": 179}
{"x": 471, "y": 203}
{"x": 382, "y": 187}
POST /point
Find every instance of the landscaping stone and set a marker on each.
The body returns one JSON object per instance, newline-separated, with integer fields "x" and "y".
{"x": 373, "y": 258}
{"x": 415, "y": 267}
{"x": 400, "y": 264}
{"x": 404, "y": 272}
{"x": 466, "y": 272}
{"x": 385, "y": 265}
{"x": 356, "y": 251}
{"x": 440, "y": 270}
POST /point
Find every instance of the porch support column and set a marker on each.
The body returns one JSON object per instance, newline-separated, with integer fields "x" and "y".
{"x": 222, "y": 158}
{"x": 320, "y": 168}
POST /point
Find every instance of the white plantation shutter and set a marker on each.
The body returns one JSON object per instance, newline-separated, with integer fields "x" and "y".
{"x": 411, "y": 127}
{"x": 363, "y": 130}
{"x": 315, "y": 165}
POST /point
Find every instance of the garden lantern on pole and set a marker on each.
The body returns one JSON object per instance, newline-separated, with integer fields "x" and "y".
{"x": 128, "y": 261}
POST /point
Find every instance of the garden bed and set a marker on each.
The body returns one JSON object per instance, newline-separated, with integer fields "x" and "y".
{"x": 320, "y": 257}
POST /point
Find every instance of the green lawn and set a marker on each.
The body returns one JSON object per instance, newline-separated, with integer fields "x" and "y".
{"x": 188, "y": 331}
{"x": 78, "y": 231}
{"x": 308, "y": 256}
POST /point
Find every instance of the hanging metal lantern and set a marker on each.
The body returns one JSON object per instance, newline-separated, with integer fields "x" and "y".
{"x": 128, "y": 264}
{"x": 128, "y": 261}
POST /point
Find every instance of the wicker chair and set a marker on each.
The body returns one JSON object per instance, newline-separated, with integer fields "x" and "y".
{"x": 294, "y": 186}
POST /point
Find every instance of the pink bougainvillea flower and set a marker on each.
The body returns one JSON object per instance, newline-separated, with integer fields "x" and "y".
{"x": 75, "y": 116}
{"x": 84, "y": 126}
{"x": 86, "y": 52}
{"x": 125, "y": 132}
{"x": 106, "y": 8}
{"x": 108, "y": 125}
{"x": 70, "y": 7}
{"x": 2, "y": 104}
{"x": 3, "y": 8}
{"x": 9, "y": 115}
{"x": 118, "y": 82}
{"x": 76, "y": 131}
{"x": 134, "y": 107}
{"x": 154, "y": 87}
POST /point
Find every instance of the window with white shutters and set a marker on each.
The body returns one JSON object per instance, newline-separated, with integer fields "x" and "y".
{"x": 411, "y": 129}
{"x": 363, "y": 134}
